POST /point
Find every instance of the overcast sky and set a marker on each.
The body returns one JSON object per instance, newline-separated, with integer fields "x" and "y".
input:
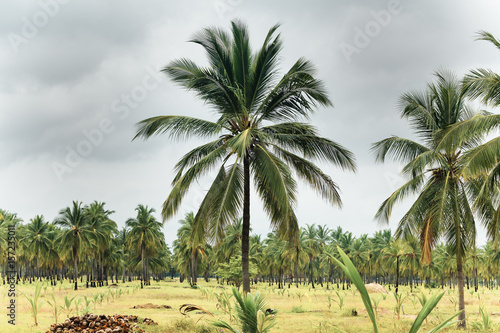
{"x": 77, "y": 75}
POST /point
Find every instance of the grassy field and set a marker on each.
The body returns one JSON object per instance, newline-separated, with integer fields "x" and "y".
{"x": 300, "y": 310}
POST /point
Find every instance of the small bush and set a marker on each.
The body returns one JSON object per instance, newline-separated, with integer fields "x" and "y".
{"x": 432, "y": 285}
{"x": 298, "y": 309}
{"x": 184, "y": 325}
{"x": 349, "y": 312}
{"x": 205, "y": 329}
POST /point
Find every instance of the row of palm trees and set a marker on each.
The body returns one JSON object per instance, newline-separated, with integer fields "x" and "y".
{"x": 259, "y": 134}
{"x": 382, "y": 258}
{"x": 83, "y": 240}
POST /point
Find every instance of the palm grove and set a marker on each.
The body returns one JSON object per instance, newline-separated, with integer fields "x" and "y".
{"x": 260, "y": 132}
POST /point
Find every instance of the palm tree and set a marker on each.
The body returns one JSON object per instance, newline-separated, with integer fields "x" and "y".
{"x": 75, "y": 232}
{"x": 380, "y": 241}
{"x": 102, "y": 228}
{"x": 411, "y": 258}
{"x": 296, "y": 252}
{"x": 311, "y": 247}
{"x": 194, "y": 241}
{"x": 122, "y": 236}
{"x": 396, "y": 250}
{"x": 258, "y": 133}
{"x": 483, "y": 160}
{"x": 360, "y": 252}
{"x": 436, "y": 176}
{"x": 37, "y": 235}
{"x": 145, "y": 234}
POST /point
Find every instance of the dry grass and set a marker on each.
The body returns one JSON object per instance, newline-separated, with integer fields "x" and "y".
{"x": 314, "y": 314}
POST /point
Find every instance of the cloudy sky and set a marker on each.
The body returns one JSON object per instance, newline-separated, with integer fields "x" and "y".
{"x": 77, "y": 75}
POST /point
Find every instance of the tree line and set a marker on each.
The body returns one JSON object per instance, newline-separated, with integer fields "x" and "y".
{"x": 381, "y": 258}
{"x": 84, "y": 242}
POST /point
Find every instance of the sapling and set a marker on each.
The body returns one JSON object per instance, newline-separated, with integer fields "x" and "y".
{"x": 340, "y": 301}
{"x": 67, "y": 304}
{"x": 35, "y": 305}
{"x": 88, "y": 302}
{"x": 375, "y": 305}
{"x": 329, "y": 302}
{"x": 77, "y": 305}
{"x": 53, "y": 303}
{"x": 399, "y": 303}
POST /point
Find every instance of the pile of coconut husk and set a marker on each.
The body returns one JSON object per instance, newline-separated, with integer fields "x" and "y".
{"x": 375, "y": 288}
{"x": 92, "y": 323}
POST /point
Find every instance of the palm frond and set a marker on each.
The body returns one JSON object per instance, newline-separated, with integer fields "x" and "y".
{"x": 309, "y": 172}
{"x": 183, "y": 182}
{"x": 410, "y": 187}
{"x": 275, "y": 185}
{"x": 177, "y": 127}
{"x": 263, "y": 69}
{"x": 295, "y": 95}
{"x": 399, "y": 149}
{"x": 222, "y": 203}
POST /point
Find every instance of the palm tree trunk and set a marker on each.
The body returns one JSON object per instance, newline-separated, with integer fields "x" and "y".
{"x": 194, "y": 257}
{"x": 37, "y": 266}
{"x": 296, "y": 268}
{"x": 75, "y": 266}
{"x": 245, "y": 237}
{"x": 311, "y": 271}
{"x": 411, "y": 279}
{"x": 143, "y": 280}
{"x": 461, "y": 299}
{"x": 397, "y": 274}
{"x": 475, "y": 280}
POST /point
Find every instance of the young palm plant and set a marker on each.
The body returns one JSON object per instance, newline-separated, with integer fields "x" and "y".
{"x": 251, "y": 313}
{"x": 34, "y": 304}
{"x": 258, "y": 134}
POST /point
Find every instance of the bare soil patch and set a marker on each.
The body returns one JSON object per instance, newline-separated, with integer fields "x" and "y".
{"x": 151, "y": 306}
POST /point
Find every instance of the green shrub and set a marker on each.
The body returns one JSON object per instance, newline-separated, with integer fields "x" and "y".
{"x": 349, "y": 312}
{"x": 432, "y": 285}
{"x": 298, "y": 309}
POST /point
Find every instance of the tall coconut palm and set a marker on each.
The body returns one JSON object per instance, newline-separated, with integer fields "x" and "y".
{"x": 122, "y": 236}
{"x": 396, "y": 250}
{"x": 296, "y": 252}
{"x": 194, "y": 240}
{"x": 257, "y": 133}
{"x": 311, "y": 247}
{"x": 37, "y": 236}
{"x": 75, "y": 232}
{"x": 436, "y": 176}
{"x": 484, "y": 159}
{"x": 144, "y": 233}
{"x": 380, "y": 241}
{"x": 103, "y": 229}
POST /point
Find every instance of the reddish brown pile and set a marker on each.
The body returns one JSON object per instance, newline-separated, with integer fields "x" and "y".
{"x": 92, "y": 323}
